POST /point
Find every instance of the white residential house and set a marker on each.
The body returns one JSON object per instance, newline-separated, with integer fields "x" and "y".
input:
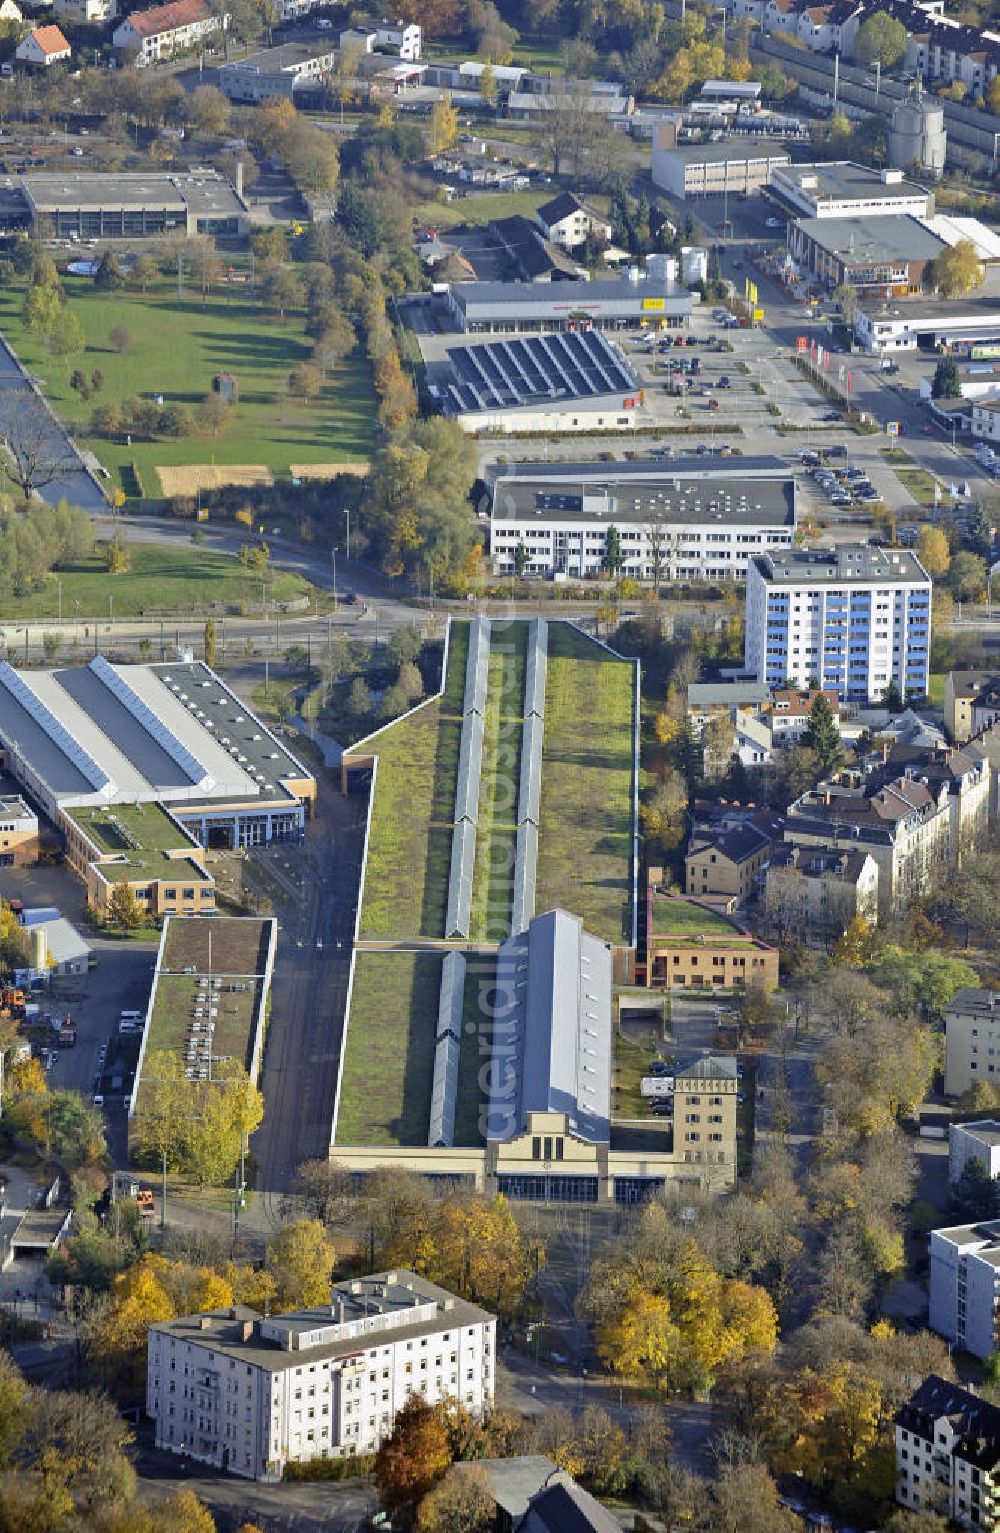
{"x": 43, "y": 47}
{"x": 167, "y": 29}
{"x": 10, "y": 12}
{"x": 780, "y": 16}
{"x": 251, "y": 1393}
{"x": 972, "y": 1039}
{"x": 85, "y": 12}
{"x": 947, "y": 1453}
{"x": 830, "y": 28}
{"x": 404, "y": 39}
{"x": 568, "y": 222}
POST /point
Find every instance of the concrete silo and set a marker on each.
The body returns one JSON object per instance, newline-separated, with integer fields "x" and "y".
{"x": 917, "y": 137}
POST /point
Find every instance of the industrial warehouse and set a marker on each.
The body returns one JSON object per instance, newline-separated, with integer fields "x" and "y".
{"x": 141, "y": 767}
{"x": 689, "y": 520}
{"x": 538, "y": 383}
{"x": 615, "y": 303}
{"x": 123, "y": 206}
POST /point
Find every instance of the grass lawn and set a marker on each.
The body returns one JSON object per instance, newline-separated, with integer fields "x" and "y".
{"x": 917, "y": 482}
{"x": 680, "y": 918}
{"x": 586, "y": 816}
{"x": 389, "y": 1050}
{"x": 409, "y": 853}
{"x": 630, "y": 1062}
{"x": 176, "y": 349}
{"x": 161, "y": 579}
{"x": 935, "y": 689}
{"x": 481, "y": 207}
{"x": 496, "y": 834}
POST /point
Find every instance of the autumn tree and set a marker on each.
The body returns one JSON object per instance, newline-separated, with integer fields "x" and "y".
{"x": 123, "y": 908}
{"x": 958, "y": 269}
{"x": 933, "y": 551}
{"x": 413, "y": 1458}
{"x": 460, "y": 1503}
{"x": 664, "y": 814}
{"x": 210, "y": 111}
{"x": 442, "y": 127}
{"x": 854, "y": 947}
{"x": 300, "y": 1259}
{"x": 675, "y": 1322}
{"x": 210, "y": 642}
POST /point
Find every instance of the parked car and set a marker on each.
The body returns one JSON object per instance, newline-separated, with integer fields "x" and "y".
{"x": 723, "y": 382}
{"x": 713, "y": 404}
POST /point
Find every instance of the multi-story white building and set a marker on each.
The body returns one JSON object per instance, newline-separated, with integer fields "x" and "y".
{"x": 167, "y": 29}
{"x": 683, "y": 524}
{"x": 252, "y": 1393}
{"x": 403, "y": 38}
{"x": 705, "y": 170}
{"x": 842, "y": 189}
{"x": 855, "y": 619}
{"x": 947, "y": 1453}
{"x": 972, "y": 1039}
{"x": 965, "y": 1286}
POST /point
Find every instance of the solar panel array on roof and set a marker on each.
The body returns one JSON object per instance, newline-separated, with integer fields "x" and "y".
{"x": 46, "y": 721}
{"x": 525, "y": 871}
{"x": 444, "y": 1087}
{"x": 144, "y": 715}
{"x": 444, "y": 1093}
{"x": 533, "y": 369}
{"x": 530, "y": 786}
{"x": 477, "y": 667}
{"x": 463, "y": 856}
{"x": 534, "y": 681}
{"x": 470, "y": 766}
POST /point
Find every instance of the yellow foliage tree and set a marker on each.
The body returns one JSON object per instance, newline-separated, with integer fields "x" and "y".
{"x": 641, "y": 1339}
{"x": 300, "y": 1259}
{"x": 855, "y": 945}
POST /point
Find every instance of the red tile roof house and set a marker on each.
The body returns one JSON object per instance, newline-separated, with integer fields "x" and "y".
{"x": 43, "y": 46}
{"x": 167, "y": 29}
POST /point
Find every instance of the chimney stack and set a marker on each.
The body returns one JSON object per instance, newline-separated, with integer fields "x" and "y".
{"x": 239, "y": 179}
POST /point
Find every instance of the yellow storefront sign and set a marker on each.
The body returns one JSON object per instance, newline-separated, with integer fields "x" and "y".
{"x": 654, "y": 303}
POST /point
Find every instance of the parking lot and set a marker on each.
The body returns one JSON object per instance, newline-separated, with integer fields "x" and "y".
{"x": 120, "y": 981}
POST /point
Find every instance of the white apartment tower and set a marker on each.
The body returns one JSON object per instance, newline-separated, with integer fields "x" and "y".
{"x": 250, "y": 1393}
{"x": 965, "y": 1286}
{"x": 853, "y": 619}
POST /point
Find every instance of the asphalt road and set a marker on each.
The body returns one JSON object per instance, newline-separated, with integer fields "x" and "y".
{"x": 22, "y": 410}
{"x": 302, "y": 1052}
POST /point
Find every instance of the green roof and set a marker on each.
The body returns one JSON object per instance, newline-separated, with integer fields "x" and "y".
{"x": 130, "y": 828}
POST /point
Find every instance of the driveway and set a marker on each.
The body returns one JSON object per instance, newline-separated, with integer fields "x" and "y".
{"x": 35, "y": 420}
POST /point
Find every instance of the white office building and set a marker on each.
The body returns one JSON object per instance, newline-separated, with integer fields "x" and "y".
{"x": 251, "y": 1393}
{"x": 965, "y": 1286}
{"x": 841, "y": 189}
{"x": 855, "y": 619}
{"x": 680, "y": 522}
